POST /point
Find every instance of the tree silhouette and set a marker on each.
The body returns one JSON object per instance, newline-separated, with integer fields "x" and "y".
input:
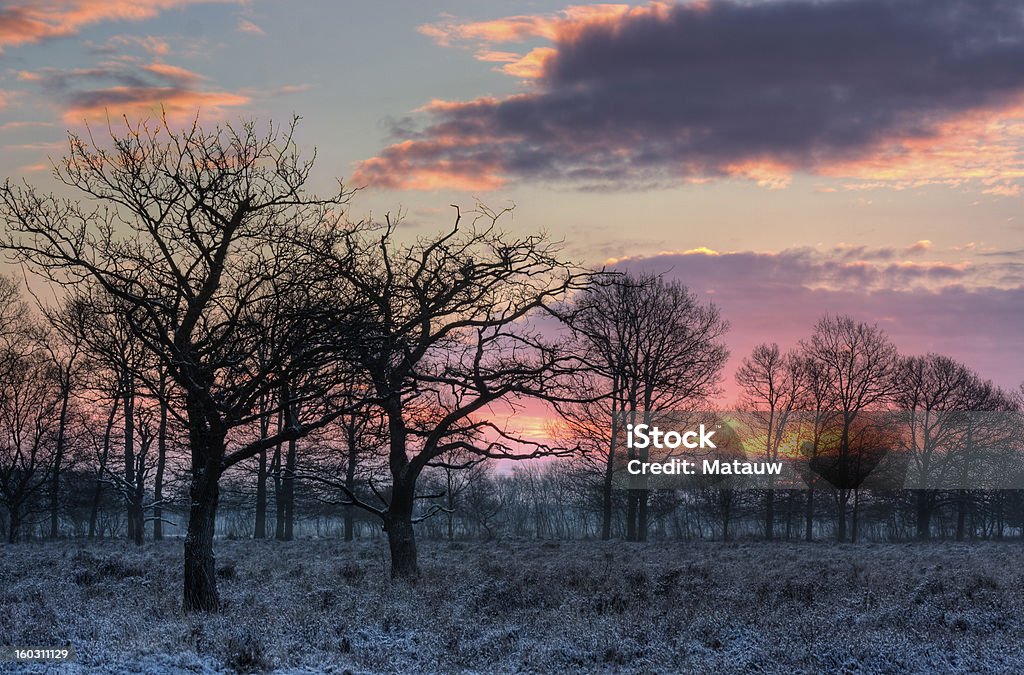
{"x": 201, "y": 237}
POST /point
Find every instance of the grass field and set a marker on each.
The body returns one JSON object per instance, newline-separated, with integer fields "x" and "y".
{"x": 510, "y": 606}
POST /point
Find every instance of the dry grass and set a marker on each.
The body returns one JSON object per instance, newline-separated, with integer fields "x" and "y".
{"x": 325, "y": 606}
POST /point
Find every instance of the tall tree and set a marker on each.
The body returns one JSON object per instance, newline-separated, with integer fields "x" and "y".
{"x": 448, "y": 335}
{"x": 194, "y": 232}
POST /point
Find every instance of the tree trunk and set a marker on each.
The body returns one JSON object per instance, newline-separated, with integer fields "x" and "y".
{"x": 161, "y": 465}
{"x": 401, "y": 537}
{"x": 841, "y": 515}
{"x": 924, "y": 514}
{"x": 450, "y": 505}
{"x": 94, "y": 507}
{"x": 58, "y": 459}
{"x": 854, "y": 516}
{"x": 606, "y": 499}
{"x": 809, "y": 515}
{"x": 276, "y": 466}
{"x": 631, "y": 509}
{"x": 129, "y": 453}
{"x": 207, "y": 443}
{"x": 289, "y": 492}
{"x": 14, "y": 521}
{"x": 961, "y": 514}
{"x": 609, "y": 472}
{"x": 55, "y": 493}
{"x": 97, "y": 494}
{"x": 261, "y": 498}
{"x": 642, "y": 514}
{"x": 769, "y": 515}
{"x": 261, "y": 474}
{"x": 790, "y": 499}
{"x": 200, "y": 572}
{"x": 350, "y": 482}
{"x": 137, "y": 520}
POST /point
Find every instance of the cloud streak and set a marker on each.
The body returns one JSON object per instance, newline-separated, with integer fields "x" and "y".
{"x": 118, "y": 88}
{"x": 971, "y": 310}
{"x": 30, "y": 22}
{"x": 881, "y": 93}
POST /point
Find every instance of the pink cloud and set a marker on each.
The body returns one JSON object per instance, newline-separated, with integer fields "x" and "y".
{"x": 31, "y": 22}
{"x": 970, "y": 310}
{"x": 246, "y": 26}
{"x": 126, "y": 88}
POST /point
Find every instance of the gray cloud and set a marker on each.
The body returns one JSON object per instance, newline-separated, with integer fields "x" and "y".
{"x": 693, "y": 91}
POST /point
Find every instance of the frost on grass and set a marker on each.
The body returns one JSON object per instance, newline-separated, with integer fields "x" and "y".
{"x": 526, "y": 607}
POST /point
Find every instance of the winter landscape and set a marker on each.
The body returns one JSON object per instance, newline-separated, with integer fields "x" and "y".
{"x": 405, "y": 337}
{"x": 527, "y": 606}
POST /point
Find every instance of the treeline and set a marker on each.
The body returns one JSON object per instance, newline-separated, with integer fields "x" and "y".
{"x": 548, "y": 501}
{"x": 221, "y": 352}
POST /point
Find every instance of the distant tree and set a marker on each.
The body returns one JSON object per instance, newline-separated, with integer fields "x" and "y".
{"x": 818, "y": 413}
{"x": 30, "y": 403}
{"x": 650, "y": 345}
{"x": 857, "y": 360}
{"x": 772, "y": 389}
{"x": 989, "y": 450}
{"x": 202, "y": 238}
{"x": 111, "y": 346}
{"x": 63, "y": 344}
{"x": 935, "y": 393}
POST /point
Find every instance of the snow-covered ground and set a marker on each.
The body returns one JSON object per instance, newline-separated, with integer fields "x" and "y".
{"x": 512, "y": 606}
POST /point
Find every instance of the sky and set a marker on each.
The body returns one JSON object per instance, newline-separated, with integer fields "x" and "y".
{"x": 783, "y": 158}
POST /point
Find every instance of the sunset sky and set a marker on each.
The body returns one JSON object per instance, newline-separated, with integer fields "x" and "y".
{"x": 783, "y": 158}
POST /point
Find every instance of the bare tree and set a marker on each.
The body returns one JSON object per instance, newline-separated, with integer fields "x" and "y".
{"x": 651, "y": 345}
{"x": 110, "y": 345}
{"x": 194, "y": 233}
{"x": 772, "y": 388}
{"x": 447, "y": 337}
{"x": 935, "y": 392}
{"x": 64, "y": 344}
{"x": 857, "y": 360}
{"x": 29, "y": 406}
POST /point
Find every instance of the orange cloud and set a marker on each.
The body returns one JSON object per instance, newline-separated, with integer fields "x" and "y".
{"x": 149, "y": 43}
{"x": 558, "y": 26}
{"x": 530, "y": 66}
{"x": 32, "y": 22}
{"x": 140, "y": 102}
{"x": 246, "y": 26}
{"x": 562, "y": 27}
{"x": 128, "y": 88}
{"x": 173, "y": 73}
{"x": 396, "y": 169}
{"x": 981, "y": 145}
{"x": 767, "y": 173}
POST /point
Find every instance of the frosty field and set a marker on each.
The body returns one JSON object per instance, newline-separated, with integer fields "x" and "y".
{"x": 512, "y": 606}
